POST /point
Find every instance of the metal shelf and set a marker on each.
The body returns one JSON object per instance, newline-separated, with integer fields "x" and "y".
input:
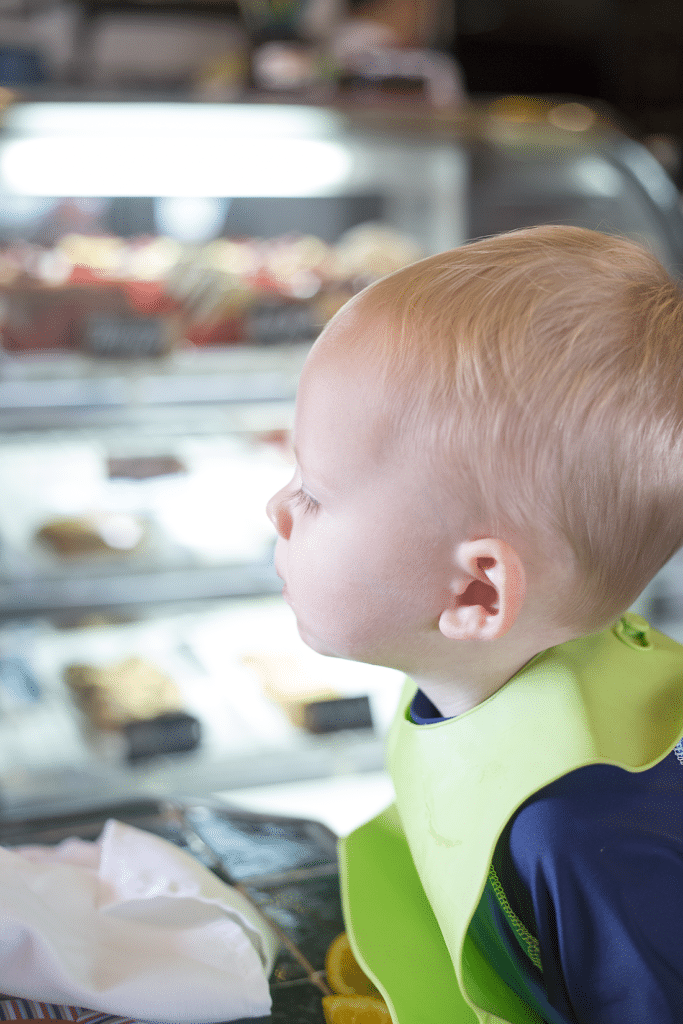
{"x": 38, "y": 393}
{"x": 108, "y": 591}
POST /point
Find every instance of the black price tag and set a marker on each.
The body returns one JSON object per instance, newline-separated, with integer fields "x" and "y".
{"x": 273, "y": 322}
{"x": 124, "y": 336}
{"x": 172, "y": 733}
{"x": 338, "y": 714}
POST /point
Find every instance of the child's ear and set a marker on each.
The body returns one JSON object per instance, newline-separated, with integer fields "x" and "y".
{"x": 491, "y": 595}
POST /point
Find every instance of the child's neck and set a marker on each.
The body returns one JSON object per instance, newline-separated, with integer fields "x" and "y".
{"x": 481, "y": 669}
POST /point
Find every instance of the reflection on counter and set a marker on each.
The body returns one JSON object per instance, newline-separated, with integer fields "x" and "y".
{"x": 285, "y": 867}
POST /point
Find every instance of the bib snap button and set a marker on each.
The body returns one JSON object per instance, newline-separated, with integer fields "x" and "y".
{"x": 634, "y": 631}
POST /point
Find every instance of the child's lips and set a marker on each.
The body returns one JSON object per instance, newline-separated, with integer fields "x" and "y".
{"x": 284, "y": 585}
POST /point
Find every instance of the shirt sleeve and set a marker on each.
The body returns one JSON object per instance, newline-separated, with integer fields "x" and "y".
{"x": 599, "y": 855}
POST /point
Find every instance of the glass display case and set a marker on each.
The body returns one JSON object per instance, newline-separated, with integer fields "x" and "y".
{"x": 160, "y": 287}
{"x": 164, "y": 269}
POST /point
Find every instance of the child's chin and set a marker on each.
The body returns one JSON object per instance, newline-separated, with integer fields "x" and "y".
{"x": 317, "y": 644}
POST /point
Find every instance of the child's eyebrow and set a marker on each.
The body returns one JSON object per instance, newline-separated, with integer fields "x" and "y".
{"x": 317, "y": 477}
{"x": 296, "y": 456}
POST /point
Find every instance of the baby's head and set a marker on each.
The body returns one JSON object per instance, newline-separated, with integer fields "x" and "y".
{"x": 530, "y": 387}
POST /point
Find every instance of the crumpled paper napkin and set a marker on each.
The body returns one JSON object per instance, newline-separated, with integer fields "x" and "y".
{"x": 130, "y": 925}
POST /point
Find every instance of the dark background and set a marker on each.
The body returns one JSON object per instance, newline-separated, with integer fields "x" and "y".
{"x": 628, "y": 53}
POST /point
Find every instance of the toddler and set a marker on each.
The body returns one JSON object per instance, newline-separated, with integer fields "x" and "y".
{"x": 489, "y": 471}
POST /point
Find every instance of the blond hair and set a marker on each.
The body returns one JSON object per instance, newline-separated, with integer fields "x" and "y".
{"x": 541, "y": 372}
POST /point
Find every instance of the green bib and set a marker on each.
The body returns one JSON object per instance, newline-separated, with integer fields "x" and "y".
{"x": 413, "y": 876}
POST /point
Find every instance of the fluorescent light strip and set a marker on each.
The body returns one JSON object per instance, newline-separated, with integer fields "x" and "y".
{"x": 173, "y": 119}
{"x": 170, "y": 166}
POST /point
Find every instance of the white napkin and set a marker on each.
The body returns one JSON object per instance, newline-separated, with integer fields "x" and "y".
{"x": 133, "y": 926}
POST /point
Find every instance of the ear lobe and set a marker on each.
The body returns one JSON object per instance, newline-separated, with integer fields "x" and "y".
{"x": 491, "y": 595}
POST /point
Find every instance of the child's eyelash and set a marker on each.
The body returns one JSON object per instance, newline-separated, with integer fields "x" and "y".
{"x": 305, "y": 501}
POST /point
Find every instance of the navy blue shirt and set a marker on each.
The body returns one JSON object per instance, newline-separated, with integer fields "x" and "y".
{"x": 592, "y": 865}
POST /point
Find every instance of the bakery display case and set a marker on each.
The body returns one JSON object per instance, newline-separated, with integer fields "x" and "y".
{"x": 160, "y": 286}
{"x": 164, "y": 269}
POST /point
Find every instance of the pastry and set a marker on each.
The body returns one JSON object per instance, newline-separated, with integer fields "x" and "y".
{"x": 286, "y": 682}
{"x": 131, "y": 690}
{"x": 93, "y": 534}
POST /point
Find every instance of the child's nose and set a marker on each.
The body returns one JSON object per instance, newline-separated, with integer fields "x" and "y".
{"x": 279, "y": 515}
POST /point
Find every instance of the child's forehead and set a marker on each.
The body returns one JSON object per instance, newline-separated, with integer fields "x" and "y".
{"x": 350, "y": 326}
{"x": 344, "y": 405}
{"x": 337, "y": 387}
{"x": 344, "y": 358}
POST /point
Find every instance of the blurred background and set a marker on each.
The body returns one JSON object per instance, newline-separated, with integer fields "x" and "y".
{"x": 188, "y": 192}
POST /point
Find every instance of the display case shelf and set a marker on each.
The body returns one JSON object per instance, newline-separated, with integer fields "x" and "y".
{"x": 70, "y": 597}
{"x": 195, "y": 390}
